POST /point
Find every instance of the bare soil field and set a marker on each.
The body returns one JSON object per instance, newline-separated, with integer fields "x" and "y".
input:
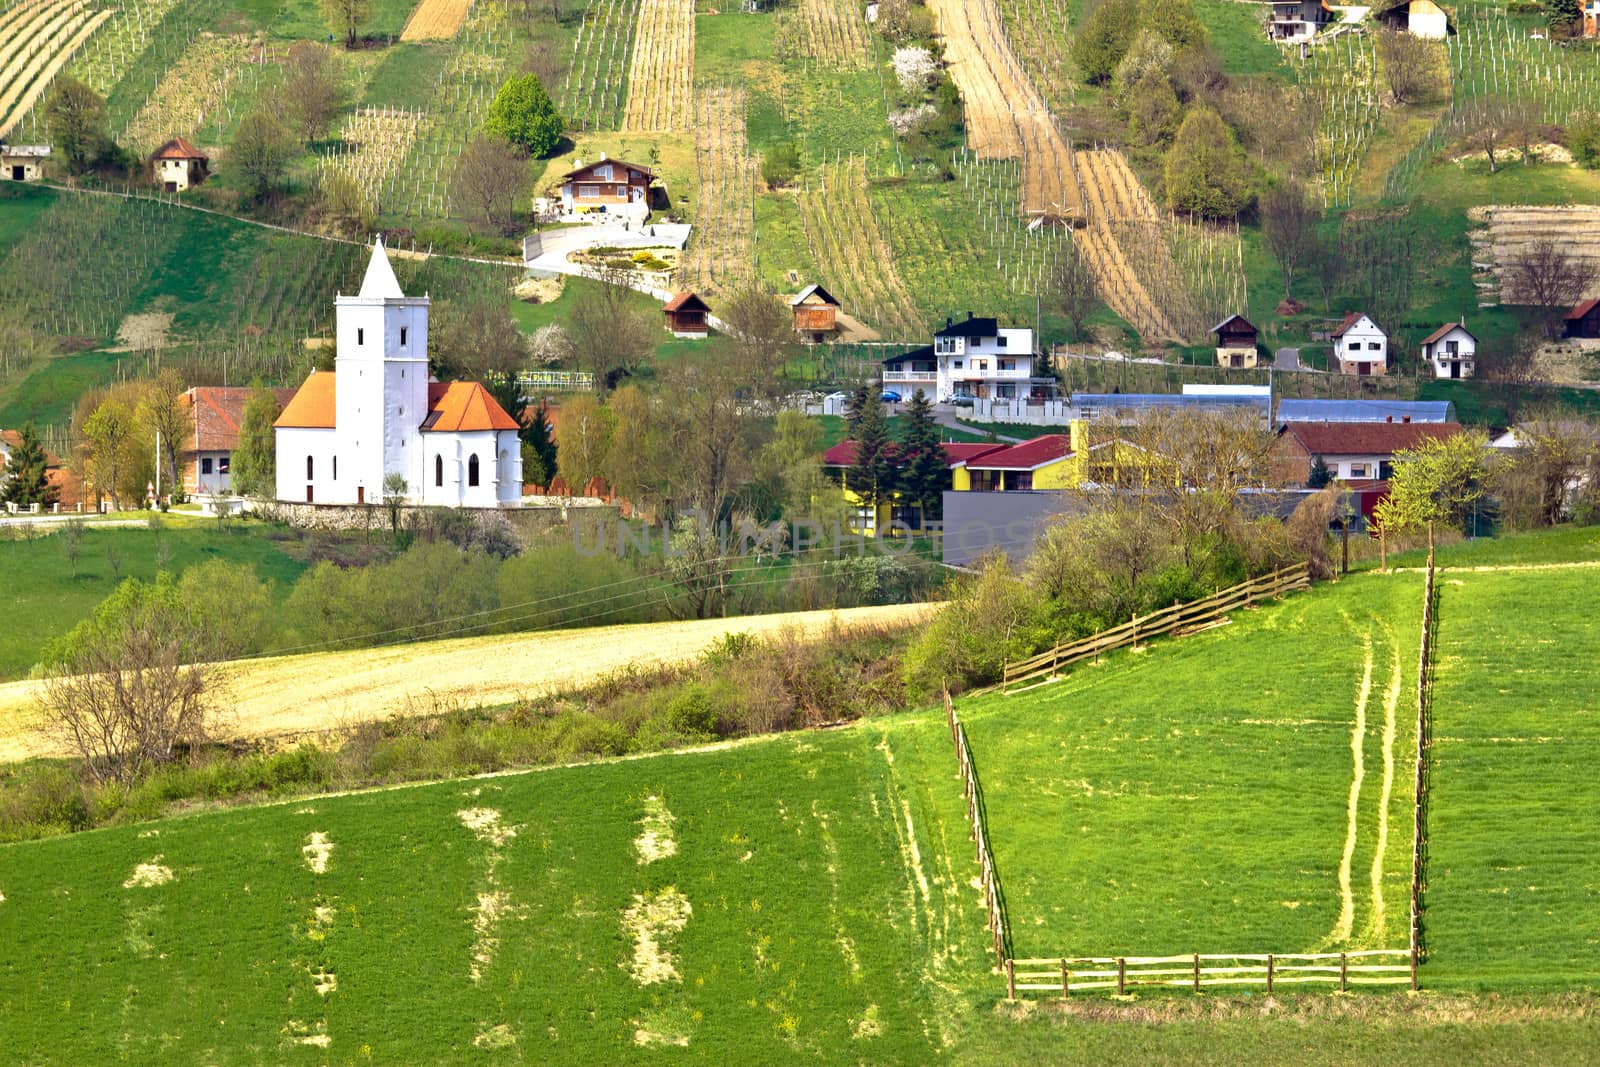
{"x": 661, "y": 75}
{"x": 436, "y": 20}
{"x": 289, "y": 695}
{"x": 1502, "y": 234}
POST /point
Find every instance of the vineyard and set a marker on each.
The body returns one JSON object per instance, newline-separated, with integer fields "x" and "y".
{"x": 1511, "y": 231}
{"x": 1040, "y": 35}
{"x": 436, "y": 20}
{"x": 37, "y": 39}
{"x": 832, "y": 32}
{"x": 595, "y": 91}
{"x": 721, "y": 255}
{"x": 1340, "y": 79}
{"x": 191, "y": 91}
{"x": 482, "y": 55}
{"x": 661, "y": 73}
{"x": 851, "y": 253}
{"x": 372, "y": 145}
{"x": 102, "y": 62}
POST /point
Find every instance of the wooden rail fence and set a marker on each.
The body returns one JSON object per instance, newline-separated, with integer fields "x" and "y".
{"x": 1419, "y": 825}
{"x": 1178, "y": 619}
{"x": 989, "y": 878}
{"x": 1196, "y": 971}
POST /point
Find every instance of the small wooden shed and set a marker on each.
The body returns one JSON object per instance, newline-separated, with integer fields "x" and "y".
{"x": 23, "y": 162}
{"x": 816, "y": 314}
{"x": 1236, "y": 342}
{"x": 177, "y": 165}
{"x": 686, "y": 315}
{"x": 1583, "y": 320}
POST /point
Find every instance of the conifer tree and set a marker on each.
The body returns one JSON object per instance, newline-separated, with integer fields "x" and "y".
{"x": 924, "y": 477}
{"x": 872, "y": 476}
{"x": 25, "y": 481}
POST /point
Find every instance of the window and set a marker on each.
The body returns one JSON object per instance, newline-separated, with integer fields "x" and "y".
{"x": 402, "y": 345}
{"x": 588, "y": 192}
{"x": 438, "y": 470}
{"x": 222, "y": 464}
{"x": 957, "y": 364}
{"x": 1008, "y": 364}
{"x": 472, "y": 469}
{"x": 205, "y": 465}
{"x": 335, "y": 468}
{"x": 1360, "y": 470}
{"x": 361, "y": 336}
{"x": 1000, "y": 342}
{"x": 1355, "y": 346}
{"x": 402, "y": 415}
{"x": 603, "y": 173}
{"x": 985, "y": 481}
{"x": 1022, "y": 480}
{"x": 310, "y": 470}
{"x": 1452, "y": 347}
{"x": 1373, "y": 346}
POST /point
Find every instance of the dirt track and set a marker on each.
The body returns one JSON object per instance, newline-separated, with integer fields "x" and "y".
{"x": 326, "y": 690}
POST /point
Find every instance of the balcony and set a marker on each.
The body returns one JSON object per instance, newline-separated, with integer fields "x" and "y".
{"x": 910, "y": 376}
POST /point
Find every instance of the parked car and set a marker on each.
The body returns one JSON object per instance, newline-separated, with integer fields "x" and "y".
{"x": 961, "y": 401}
{"x": 890, "y": 397}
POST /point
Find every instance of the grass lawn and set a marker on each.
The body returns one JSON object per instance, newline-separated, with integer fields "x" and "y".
{"x": 44, "y": 600}
{"x": 49, "y": 392}
{"x": 1203, "y": 796}
{"x": 732, "y": 47}
{"x": 405, "y": 75}
{"x": 304, "y": 18}
{"x": 1235, "y": 32}
{"x": 1512, "y": 895}
{"x": 810, "y": 907}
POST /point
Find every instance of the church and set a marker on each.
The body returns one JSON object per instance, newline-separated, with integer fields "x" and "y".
{"x": 379, "y": 414}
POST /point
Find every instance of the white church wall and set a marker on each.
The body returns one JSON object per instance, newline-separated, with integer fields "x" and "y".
{"x": 297, "y": 444}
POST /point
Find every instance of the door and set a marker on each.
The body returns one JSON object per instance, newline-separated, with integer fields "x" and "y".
{"x": 172, "y": 187}
{"x": 1363, "y": 368}
{"x": 308, "y": 495}
{"x": 1455, "y": 368}
{"x": 361, "y": 494}
{"x": 19, "y": 174}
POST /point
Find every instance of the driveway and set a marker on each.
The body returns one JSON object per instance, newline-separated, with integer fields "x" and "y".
{"x": 1287, "y": 359}
{"x": 945, "y": 415}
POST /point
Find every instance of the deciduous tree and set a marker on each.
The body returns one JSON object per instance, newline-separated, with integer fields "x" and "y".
{"x": 75, "y": 115}
{"x": 1289, "y": 226}
{"x": 1072, "y": 292}
{"x": 1410, "y": 65}
{"x": 346, "y": 17}
{"x": 583, "y": 433}
{"x": 612, "y": 331}
{"x": 491, "y": 177}
{"x": 255, "y": 461}
{"x": 1434, "y": 483}
{"x": 1207, "y": 173}
{"x": 313, "y": 89}
{"x": 261, "y": 151}
{"x": 109, "y": 431}
{"x": 1104, "y": 37}
{"x": 523, "y": 115}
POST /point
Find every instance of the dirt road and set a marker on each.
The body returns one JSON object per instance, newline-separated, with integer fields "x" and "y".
{"x": 325, "y": 690}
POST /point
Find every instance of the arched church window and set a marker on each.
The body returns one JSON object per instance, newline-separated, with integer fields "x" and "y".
{"x": 438, "y": 470}
{"x": 472, "y": 469}
{"x": 310, "y": 475}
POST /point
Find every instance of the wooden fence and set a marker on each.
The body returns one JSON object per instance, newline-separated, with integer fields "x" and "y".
{"x": 1419, "y": 825}
{"x": 1199, "y": 970}
{"x": 1178, "y": 619}
{"x": 989, "y": 878}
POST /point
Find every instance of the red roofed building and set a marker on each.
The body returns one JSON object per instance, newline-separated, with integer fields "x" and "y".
{"x": 344, "y": 435}
{"x": 1583, "y": 320}
{"x": 215, "y": 414}
{"x": 686, "y": 315}
{"x": 1360, "y": 346}
{"x": 1353, "y": 451}
{"x": 177, "y": 165}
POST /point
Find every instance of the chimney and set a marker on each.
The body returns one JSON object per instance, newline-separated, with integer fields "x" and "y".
{"x": 602, "y": 156}
{"x": 969, "y": 316}
{"x": 1405, "y": 418}
{"x": 948, "y": 322}
{"x": 1388, "y": 418}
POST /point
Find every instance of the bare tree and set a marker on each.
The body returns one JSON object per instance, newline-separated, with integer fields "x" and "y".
{"x": 1326, "y": 264}
{"x": 490, "y": 176}
{"x": 762, "y": 330}
{"x": 346, "y": 17}
{"x": 1289, "y": 227}
{"x": 1491, "y": 122}
{"x": 1546, "y": 275}
{"x": 72, "y": 542}
{"x": 313, "y": 88}
{"x": 1071, "y": 291}
{"x": 1410, "y": 66}
{"x": 130, "y": 686}
{"x": 1536, "y": 482}
{"x": 613, "y": 331}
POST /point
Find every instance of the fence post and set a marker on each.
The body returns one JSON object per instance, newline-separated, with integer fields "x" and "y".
{"x": 1066, "y": 980}
{"x": 1011, "y": 979}
{"x": 1344, "y": 975}
{"x": 1197, "y": 972}
{"x": 1122, "y": 975}
{"x": 1271, "y": 962}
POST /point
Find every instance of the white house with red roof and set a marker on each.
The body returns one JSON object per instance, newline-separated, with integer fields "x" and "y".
{"x": 1360, "y": 346}
{"x": 177, "y": 165}
{"x": 378, "y": 413}
{"x": 1451, "y": 350}
{"x": 215, "y": 413}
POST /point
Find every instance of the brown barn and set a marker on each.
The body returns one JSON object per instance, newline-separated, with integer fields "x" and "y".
{"x": 613, "y": 186}
{"x": 1584, "y": 320}
{"x": 177, "y": 165}
{"x": 816, "y": 314}
{"x": 1236, "y": 342}
{"x": 686, "y": 315}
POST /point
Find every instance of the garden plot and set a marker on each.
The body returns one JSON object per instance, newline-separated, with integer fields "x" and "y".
{"x": 661, "y": 74}
{"x": 436, "y": 20}
{"x": 372, "y": 145}
{"x": 191, "y": 91}
{"x": 1226, "y": 792}
{"x": 722, "y": 255}
{"x": 851, "y": 253}
{"x": 815, "y": 905}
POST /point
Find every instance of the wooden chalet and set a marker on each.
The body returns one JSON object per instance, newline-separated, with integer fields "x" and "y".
{"x": 177, "y": 165}
{"x": 687, "y": 315}
{"x": 1583, "y": 320}
{"x": 607, "y": 185}
{"x": 1236, "y": 342}
{"x": 816, "y": 314}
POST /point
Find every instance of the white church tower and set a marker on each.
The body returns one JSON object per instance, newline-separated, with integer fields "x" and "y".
{"x": 379, "y": 414}
{"x": 382, "y": 366}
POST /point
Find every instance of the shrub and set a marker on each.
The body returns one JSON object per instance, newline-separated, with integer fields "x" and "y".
{"x": 523, "y": 114}
{"x": 780, "y": 163}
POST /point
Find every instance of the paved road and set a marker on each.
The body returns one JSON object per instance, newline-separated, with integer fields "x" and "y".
{"x": 1287, "y": 359}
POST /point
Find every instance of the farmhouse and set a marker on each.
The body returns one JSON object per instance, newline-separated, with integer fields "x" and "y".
{"x": 1360, "y": 345}
{"x": 686, "y": 315}
{"x": 215, "y": 413}
{"x": 609, "y": 186}
{"x": 23, "y": 162}
{"x": 1451, "y": 350}
{"x": 378, "y": 415}
{"x": 1583, "y": 320}
{"x": 1236, "y": 342}
{"x": 1353, "y": 451}
{"x": 816, "y": 314}
{"x": 177, "y": 165}
{"x": 1294, "y": 21}
{"x": 972, "y": 359}
{"x": 1419, "y": 18}
{"x": 1366, "y": 411}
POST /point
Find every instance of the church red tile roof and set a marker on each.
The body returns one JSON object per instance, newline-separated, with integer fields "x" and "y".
{"x": 456, "y": 406}
{"x": 312, "y": 406}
